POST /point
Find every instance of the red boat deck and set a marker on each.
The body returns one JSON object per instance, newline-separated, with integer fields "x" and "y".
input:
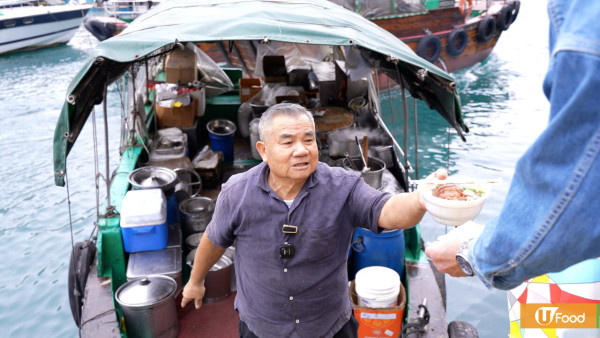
{"x": 215, "y": 320}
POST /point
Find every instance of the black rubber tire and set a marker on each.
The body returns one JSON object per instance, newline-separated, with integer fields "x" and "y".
{"x": 99, "y": 30}
{"x": 506, "y": 17}
{"x": 458, "y": 329}
{"x": 429, "y": 48}
{"x": 79, "y": 267}
{"x": 457, "y": 42}
{"x": 486, "y": 29}
{"x": 516, "y": 6}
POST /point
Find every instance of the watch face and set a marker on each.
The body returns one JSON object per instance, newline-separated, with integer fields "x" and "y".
{"x": 464, "y": 265}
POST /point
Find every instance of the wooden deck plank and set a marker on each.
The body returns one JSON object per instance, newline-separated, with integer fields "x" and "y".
{"x": 98, "y": 315}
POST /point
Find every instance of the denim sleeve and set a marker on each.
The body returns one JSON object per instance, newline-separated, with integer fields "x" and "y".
{"x": 550, "y": 217}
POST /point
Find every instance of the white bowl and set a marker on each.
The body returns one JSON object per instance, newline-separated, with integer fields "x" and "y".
{"x": 451, "y": 212}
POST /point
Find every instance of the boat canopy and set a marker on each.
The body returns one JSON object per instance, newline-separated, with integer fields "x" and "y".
{"x": 316, "y": 22}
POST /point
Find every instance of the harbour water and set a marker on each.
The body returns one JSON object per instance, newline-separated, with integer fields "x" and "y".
{"x": 503, "y": 106}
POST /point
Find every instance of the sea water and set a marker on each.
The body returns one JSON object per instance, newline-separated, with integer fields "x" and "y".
{"x": 503, "y": 105}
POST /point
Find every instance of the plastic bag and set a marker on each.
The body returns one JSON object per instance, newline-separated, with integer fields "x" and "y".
{"x": 297, "y": 56}
{"x": 213, "y": 77}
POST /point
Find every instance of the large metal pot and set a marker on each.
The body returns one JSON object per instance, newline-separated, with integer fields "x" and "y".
{"x": 218, "y": 280}
{"x": 196, "y": 213}
{"x": 372, "y": 176}
{"x": 149, "y": 306}
{"x": 342, "y": 141}
{"x": 153, "y": 177}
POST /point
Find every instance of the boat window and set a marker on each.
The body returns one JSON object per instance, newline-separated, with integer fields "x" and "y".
{"x": 10, "y": 23}
{"x": 28, "y": 21}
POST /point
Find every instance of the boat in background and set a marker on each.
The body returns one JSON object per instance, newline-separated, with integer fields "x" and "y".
{"x": 450, "y": 34}
{"x": 116, "y": 16}
{"x": 26, "y": 26}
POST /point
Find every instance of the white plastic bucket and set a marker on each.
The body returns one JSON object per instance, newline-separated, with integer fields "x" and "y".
{"x": 377, "y": 287}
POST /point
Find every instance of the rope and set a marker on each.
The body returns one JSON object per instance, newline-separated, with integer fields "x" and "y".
{"x": 69, "y": 207}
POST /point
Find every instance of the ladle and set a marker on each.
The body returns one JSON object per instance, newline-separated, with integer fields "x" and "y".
{"x": 362, "y": 156}
{"x": 365, "y": 150}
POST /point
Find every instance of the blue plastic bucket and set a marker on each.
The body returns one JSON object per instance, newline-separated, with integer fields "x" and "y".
{"x": 384, "y": 249}
{"x": 221, "y": 133}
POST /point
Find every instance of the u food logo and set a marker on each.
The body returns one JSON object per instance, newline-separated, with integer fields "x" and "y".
{"x": 581, "y": 315}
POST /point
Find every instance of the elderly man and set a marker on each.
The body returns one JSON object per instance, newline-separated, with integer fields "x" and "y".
{"x": 293, "y": 219}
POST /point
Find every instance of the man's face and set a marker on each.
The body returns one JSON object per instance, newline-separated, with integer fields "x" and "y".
{"x": 291, "y": 148}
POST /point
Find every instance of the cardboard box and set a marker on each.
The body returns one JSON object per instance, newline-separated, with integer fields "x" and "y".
{"x": 176, "y": 117}
{"x": 379, "y": 322}
{"x": 249, "y": 88}
{"x": 180, "y": 66}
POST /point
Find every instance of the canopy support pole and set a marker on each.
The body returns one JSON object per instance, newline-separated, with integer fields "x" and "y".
{"x": 107, "y": 164}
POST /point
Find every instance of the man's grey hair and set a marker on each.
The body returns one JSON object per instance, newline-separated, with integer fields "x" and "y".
{"x": 286, "y": 109}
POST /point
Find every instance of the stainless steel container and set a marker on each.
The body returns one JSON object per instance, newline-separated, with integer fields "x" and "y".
{"x": 342, "y": 141}
{"x": 196, "y": 213}
{"x": 218, "y": 280}
{"x": 152, "y": 177}
{"x": 149, "y": 307}
{"x": 192, "y": 241}
{"x": 165, "y": 262}
{"x": 372, "y": 176}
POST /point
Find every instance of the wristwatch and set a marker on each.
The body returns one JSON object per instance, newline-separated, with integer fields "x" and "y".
{"x": 462, "y": 258}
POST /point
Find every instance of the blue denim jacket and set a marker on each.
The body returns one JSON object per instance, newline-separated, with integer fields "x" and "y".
{"x": 551, "y": 216}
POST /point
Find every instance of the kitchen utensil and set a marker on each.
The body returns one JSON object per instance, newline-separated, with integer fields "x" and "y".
{"x": 362, "y": 156}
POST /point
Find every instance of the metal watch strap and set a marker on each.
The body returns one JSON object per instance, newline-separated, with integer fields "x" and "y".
{"x": 462, "y": 258}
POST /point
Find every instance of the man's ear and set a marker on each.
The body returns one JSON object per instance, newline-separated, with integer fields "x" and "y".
{"x": 262, "y": 150}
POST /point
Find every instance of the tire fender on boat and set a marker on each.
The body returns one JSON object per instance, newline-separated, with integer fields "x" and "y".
{"x": 82, "y": 257}
{"x": 486, "y": 29}
{"x": 429, "y": 47}
{"x": 506, "y": 17}
{"x": 457, "y": 41}
{"x": 515, "y": 12}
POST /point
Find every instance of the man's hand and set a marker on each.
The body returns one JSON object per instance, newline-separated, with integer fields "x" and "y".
{"x": 193, "y": 292}
{"x": 443, "y": 251}
{"x": 440, "y": 174}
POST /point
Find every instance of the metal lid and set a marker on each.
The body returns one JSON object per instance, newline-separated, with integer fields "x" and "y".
{"x": 146, "y": 291}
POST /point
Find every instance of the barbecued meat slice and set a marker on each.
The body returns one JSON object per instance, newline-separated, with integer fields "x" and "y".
{"x": 449, "y": 191}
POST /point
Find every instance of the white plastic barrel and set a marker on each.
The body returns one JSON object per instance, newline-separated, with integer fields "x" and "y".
{"x": 377, "y": 287}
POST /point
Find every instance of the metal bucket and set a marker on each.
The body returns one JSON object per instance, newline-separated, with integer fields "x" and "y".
{"x": 373, "y": 176}
{"x": 218, "y": 279}
{"x": 192, "y": 241}
{"x": 196, "y": 213}
{"x": 149, "y": 307}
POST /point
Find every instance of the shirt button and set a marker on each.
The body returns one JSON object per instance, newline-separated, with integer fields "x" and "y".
{"x": 285, "y": 270}
{"x": 297, "y": 321}
{"x": 291, "y": 298}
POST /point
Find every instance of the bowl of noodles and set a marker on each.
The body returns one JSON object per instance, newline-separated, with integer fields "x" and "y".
{"x": 454, "y": 203}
